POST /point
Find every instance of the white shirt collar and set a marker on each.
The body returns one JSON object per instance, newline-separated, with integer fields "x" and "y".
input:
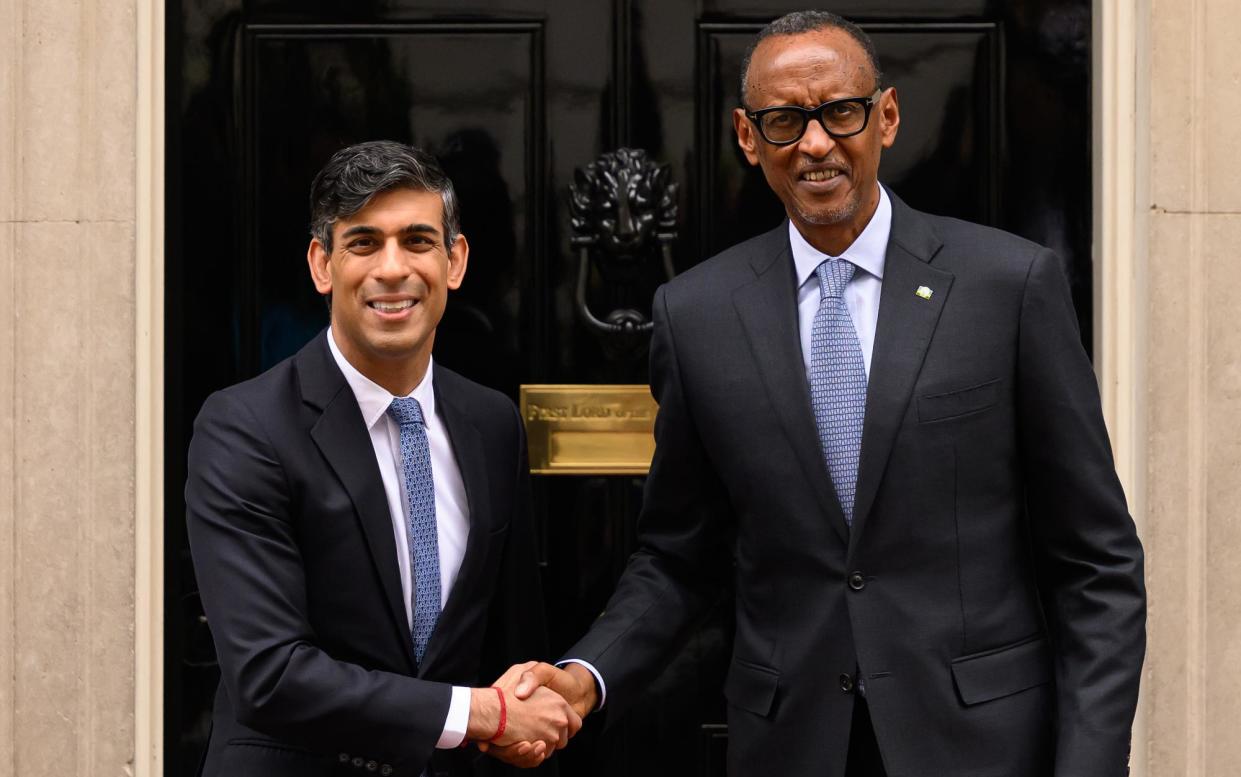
{"x": 867, "y": 252}
{"x": 374, "y": 399}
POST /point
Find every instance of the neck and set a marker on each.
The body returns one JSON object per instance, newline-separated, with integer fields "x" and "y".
{"x": 400, "y": 381}
{"x": 834, "y": 239}
{"x": 398, "y": 375}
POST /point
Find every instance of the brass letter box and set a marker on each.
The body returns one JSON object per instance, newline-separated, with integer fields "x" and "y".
{"x": 589, "y": 430}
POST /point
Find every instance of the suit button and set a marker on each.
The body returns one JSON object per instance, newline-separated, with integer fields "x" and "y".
{"x": 344, "y": 758}
{"x": 385, "y": 770}
{"x": 846, "y": 683}
{"x": 372, "y": 766}
{"x": 857, "y": 581}
{"x": 358, "y": 761}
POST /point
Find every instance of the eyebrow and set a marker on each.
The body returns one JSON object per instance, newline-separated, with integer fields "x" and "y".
{"x": 408, "y": 229}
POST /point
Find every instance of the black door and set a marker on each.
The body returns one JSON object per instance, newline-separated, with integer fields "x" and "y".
{"x": 514, "y": 96}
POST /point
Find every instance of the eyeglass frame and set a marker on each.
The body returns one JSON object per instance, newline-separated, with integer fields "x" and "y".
{"x": 868, "y": 103}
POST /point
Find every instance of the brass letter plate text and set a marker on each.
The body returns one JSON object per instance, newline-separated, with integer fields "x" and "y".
{"x": 589, "y": 430}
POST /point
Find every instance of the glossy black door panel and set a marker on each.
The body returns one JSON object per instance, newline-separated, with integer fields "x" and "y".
{"x": 857, "y": 10}
{"x": 392, "y": 10}
{"x": 514, "y": 96}
{"x": 310, "y": 92}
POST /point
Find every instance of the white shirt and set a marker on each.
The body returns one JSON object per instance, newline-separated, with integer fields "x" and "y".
{"x": 452, "y": 510}
{"x": 868, "y": 253}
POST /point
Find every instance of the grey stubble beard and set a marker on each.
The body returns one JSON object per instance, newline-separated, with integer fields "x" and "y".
{"x": 835, "y": 215}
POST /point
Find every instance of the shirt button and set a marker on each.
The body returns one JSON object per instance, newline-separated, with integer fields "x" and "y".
{"x": 846, "y": 683}
{"x": 385, "y": 770}
{"x": 857, "y": 581}
{"x": 358, "y": 761}
{"x": 372, "y": 766}
{"x": 344, "y": 758}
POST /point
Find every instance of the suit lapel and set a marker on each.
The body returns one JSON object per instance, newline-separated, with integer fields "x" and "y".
{"x": 468, "y": 449}
{"x": 906, "y": 323}
{"x": 342, "y": 438}
{"x": 767, "y": 307}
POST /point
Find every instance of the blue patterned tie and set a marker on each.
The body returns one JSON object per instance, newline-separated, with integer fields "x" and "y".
{"x": 838, "y": 382}
{"x": 424, "y": 552}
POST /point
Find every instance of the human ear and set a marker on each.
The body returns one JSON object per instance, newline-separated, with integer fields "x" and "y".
{"x": 458, "y": 258}
{"x": 317, "y": 258}
{"x": 746, "y": 137}
{"x": 889, "y": 116}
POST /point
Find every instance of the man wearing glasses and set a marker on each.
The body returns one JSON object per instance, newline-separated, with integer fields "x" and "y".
{"x": 882, "y": 426}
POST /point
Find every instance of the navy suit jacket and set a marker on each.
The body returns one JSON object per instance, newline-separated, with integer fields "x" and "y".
{"x": 990, "y": 590}
{"x": 295, "y": 559}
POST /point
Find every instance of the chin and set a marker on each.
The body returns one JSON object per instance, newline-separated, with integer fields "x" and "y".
{"x": 393, "y": 345}
{"x": 822, "y": 217}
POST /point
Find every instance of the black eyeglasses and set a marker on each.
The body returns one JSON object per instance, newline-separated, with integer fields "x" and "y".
{"x": 785, "y": 124}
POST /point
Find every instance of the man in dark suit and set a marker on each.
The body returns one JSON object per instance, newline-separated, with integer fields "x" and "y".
{"x": 882, "y": 425}
{"x": 358, "y": 516}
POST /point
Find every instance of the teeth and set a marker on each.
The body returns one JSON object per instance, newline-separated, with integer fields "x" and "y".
{"x": 392, "y": 307}
{"x": 820, "y": 175}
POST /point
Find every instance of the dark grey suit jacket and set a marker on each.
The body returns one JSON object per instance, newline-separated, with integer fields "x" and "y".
{"x": 990, "y": 591}
{"x": 297, "y": 566}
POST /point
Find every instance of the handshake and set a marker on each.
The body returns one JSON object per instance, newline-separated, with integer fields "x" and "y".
{"x": 532, "y": 710}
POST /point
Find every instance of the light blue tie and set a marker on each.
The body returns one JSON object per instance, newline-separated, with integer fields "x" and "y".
{"x": 838, "y": 382}
{"x": 424, "y": 552}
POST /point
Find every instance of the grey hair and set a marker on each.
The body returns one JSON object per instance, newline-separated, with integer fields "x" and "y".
{"x": 799, "y": 22}
{"x": 354, "y": 175}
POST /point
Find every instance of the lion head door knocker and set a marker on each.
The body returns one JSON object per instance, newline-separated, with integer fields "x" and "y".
{"x": 624, "y": 214}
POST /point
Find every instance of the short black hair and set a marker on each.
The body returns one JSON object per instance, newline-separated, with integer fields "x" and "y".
{"x": 799, "y": 22}
{"x": 354, "y": 175}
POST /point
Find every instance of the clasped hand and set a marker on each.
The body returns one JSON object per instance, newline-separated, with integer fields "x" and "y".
{"x": 546, "y": 706}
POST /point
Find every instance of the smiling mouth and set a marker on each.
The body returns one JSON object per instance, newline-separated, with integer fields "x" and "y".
{"x": 819, "y": 175}
{"x": 392, "y": 307}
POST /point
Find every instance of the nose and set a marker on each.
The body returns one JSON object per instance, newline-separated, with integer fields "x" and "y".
{"x": 815, "y": 142}
{"x": 393, "y": 266}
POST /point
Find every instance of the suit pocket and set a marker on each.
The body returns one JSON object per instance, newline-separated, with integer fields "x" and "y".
{"x": 1002, "y": 672}
{"x": 751, "y": 687}
{"x": 950, "y": 404}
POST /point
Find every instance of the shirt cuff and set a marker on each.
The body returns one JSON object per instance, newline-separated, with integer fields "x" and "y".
{"x": 458, "y": 719}
{"x": 603, "y": 689}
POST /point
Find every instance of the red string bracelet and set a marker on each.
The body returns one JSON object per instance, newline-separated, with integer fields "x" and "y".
{"x": 503, "y": 715}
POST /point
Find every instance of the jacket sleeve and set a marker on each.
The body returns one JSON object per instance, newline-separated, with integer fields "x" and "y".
{"x": 1086, "y": 551}
{"x": 683, "y": 548}
{"x": 247, "y": 559}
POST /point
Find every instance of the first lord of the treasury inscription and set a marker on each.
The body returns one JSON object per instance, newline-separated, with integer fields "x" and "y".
{"x": 589, "y": 430}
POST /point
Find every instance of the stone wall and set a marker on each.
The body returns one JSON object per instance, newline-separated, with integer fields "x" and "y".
{"x": 1193, "y": 391}
{"x": 67, "y": 219}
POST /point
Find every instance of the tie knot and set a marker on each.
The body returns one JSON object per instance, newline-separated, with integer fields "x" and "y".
{"x": 406, "y": 411}
{"x": 834, "y": 274}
